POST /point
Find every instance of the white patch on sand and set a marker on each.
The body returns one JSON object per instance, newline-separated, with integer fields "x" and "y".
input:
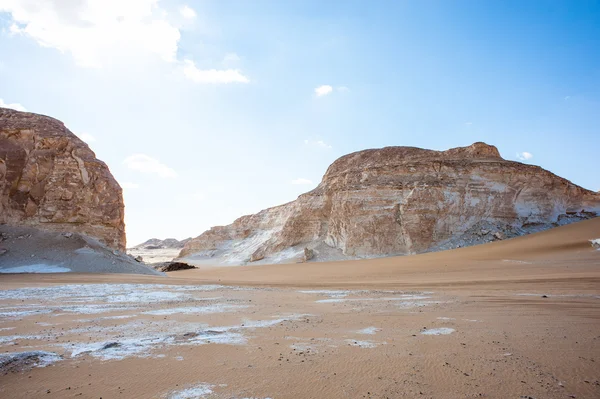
{"x": 11, "y": 339}
{"x": 92, "y": 309}
{"x": 369, "y": 330}
{"x": 210, "y": 309}
{"x": 37, "y": 268}
{"x": 42, "y": 358}
{"x": 438, "y": 331}
{"x": 13, "y": 314}
{"x": 332, "y": 300}
{"x": 361, "y": 344}
{"x": 125, "y": 316}
{"x": 303, "y": 347}
{"x": 137, "y": 293}
{"x": 446, "y": 318}
{"x": 273, "y": 322}
{"x": 148, "y": 297}
{"x": 7, "y": 328}
{"x": 329, "y": 293}
{"x": 219, "y": 336}
{"x": 596, "y": 243}
{"x": 517, "y": 261}
{"x": 118, "y": 349}
{"x": 198, "y": 391}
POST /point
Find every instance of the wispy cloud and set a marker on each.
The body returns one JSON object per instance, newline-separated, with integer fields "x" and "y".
{"x": 146, "y": 164}
{"x": 88, "y": 138}
{"x": 323, "y": 90}
{"x": 302, "y": 181}
{"x": 524, "y": 156}
{"x": 212, "y": 75}
{"x": 15, "y": 106}
{"x": 468, "y": 123}
{"x": 317, "y": 143}
{"x": 187, "y": 12}
{"x": 567, "y": 97}
{"x": 129, "y": 186}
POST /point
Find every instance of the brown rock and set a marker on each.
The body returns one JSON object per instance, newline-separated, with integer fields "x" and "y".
{"x": 308, "y": 254}
{"x": 50, "y": 179}
{"x": 403, "y": 200}
{"x": 174, "y": 266}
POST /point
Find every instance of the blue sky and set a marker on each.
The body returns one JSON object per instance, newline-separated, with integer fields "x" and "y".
{"x": 208, "y": 110}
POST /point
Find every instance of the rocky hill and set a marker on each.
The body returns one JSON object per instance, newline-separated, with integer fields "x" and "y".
{"x": 157, "y": 243}
{"x": 401, "y": 200}
{"x": 51, "y": 180}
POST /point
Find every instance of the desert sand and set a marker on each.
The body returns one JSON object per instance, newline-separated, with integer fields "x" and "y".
{"x": 518, "y": 318}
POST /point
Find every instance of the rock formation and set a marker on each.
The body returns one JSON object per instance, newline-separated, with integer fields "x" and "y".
{"x": 401, "y": 200}
{"x": 50, "y": 179}
{"x": 157, "y": 243}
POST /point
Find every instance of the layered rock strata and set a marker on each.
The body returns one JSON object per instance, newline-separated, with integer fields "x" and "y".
{"x": 401, "y": 200}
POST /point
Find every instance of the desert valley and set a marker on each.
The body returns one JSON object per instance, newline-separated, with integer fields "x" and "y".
{"x": 405, "y": 273}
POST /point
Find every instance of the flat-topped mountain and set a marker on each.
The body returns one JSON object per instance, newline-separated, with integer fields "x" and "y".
{"x": 401, "y": 200}
{"x": 52, "y": 180}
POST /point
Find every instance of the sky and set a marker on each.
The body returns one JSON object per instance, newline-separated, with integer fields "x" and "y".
{"x": 206, "y": 110}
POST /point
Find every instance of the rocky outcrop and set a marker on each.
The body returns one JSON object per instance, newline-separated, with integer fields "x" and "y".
{"x": 401, "y": 200}
{"x": 157, "y": 243}
{"x": 50, "y": 179}
{"x": 173, "y": 267}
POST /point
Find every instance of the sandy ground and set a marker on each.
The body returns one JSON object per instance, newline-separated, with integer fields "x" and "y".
{"x": 512, "y": 319}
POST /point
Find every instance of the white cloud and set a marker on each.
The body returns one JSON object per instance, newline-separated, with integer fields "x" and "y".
{"x": 317, "y": 143}
{"x": 302, "y": 181}
{"x": 212, "y": 75}
{"x": 129, "y": 185}
{"x": 146, "y": 164}
{"x": 88, "y": 138}
{"x": 187, "y": 12}
{"x": 95, "y": 32}
{"x": 323, "y": 90}
{"x": 524, "y": 156}
{"x": 15, "y": 106}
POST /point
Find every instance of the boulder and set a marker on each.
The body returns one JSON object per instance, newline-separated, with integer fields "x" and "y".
{"x": 174, "y": 266}
{"x": 308, "y": 254}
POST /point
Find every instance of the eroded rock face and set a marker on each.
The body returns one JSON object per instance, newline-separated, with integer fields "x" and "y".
{"x": 50, "y": 179}
{"x": 401, "y": 200}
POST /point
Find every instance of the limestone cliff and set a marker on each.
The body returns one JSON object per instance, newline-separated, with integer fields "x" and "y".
{"x": 402, "y": 200}
{"x": 50, "y": 179}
